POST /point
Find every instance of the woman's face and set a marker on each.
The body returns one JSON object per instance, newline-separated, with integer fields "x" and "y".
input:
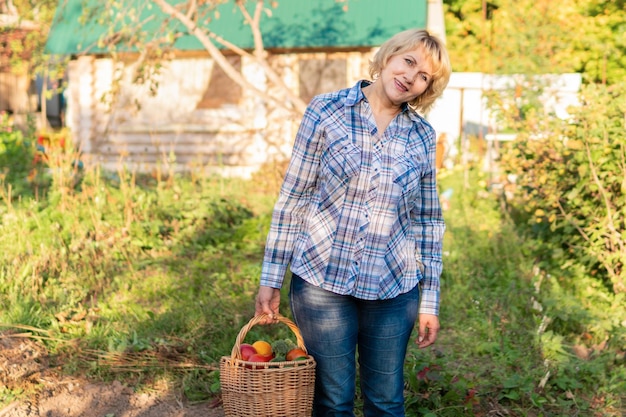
{"x": 406, "y": 76}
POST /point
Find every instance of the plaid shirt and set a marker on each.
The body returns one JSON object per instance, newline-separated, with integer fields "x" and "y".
{"x": 358, "y": 212}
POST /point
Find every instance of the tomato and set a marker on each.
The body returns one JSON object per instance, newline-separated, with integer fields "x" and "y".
{"x": 295, "y": 354}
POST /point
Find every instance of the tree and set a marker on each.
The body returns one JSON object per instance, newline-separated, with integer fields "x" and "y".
{"x": 538, "y": 37}
{"x": 190, "y": 18}
{"x": 24, "y": 39}
{"x": 599, "y": 42}
{"x": 36, "y": 17}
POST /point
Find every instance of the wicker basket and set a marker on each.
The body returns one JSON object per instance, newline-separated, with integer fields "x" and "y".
{"x": 267, "y": 389}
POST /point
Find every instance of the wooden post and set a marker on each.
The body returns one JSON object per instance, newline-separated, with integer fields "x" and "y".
{"x": 43, "y": 100}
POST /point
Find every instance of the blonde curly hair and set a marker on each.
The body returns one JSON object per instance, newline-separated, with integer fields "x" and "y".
{"x": 435, "y": 50}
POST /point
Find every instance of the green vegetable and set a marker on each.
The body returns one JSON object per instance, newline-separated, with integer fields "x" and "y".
{"x": 282, "y": 346}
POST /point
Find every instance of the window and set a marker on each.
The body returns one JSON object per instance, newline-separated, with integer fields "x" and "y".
{"x": 222, "y": 89}
{"x": 321, "y": 76}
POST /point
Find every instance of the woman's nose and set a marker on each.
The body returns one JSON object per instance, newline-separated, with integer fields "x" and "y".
{"x": 410, "y": 76}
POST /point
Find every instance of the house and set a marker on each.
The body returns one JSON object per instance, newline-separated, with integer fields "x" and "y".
{"x": 197, "y": 117}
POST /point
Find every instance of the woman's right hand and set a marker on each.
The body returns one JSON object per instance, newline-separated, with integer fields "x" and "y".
{"x": 268, "y": 302}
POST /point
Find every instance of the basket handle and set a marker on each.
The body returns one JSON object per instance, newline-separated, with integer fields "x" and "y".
{"x": 236, "y": 353}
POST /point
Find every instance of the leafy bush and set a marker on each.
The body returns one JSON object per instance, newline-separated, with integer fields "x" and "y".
{"x": 568, "y": 201}
{"x": 16, "y": 158}
{"x": 571, "y": 186}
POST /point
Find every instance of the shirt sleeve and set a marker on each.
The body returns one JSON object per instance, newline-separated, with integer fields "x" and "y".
{"x": 429, "y": 227}
{"x": 295, "y": 194}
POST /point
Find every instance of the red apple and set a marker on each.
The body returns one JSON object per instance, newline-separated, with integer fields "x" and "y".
{"x": 260, "y": 358}
{"x": 246, "y": 351}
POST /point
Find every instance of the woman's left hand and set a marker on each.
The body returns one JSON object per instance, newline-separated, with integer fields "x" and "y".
{"x": 428, "y": 329}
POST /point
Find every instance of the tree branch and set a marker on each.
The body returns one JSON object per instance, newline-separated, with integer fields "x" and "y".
{"x": 603, "y": 191}
{"x": 262, "y": 56}
{"x": 192, "y": 9}
{"x": 218, "y": 56}
{"x": 255, "y": 26}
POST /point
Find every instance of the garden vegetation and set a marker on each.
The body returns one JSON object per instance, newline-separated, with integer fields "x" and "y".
{"x": 151, "y": 277}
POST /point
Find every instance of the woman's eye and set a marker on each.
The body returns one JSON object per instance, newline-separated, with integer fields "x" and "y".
{"x": 408, "y": 61}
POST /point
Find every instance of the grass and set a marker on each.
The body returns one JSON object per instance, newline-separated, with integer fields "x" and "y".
{"x": 510, "y": 331}
{"x": 148, "y": 278}
{"x": 486, "y": 357}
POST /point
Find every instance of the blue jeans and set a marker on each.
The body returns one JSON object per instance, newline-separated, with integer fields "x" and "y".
{"x": 332, "y": 327}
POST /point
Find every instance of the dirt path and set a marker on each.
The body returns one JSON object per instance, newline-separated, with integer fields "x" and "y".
{"x": 24, "y": 365}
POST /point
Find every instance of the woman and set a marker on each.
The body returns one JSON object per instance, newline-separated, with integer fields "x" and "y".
{"x": 358, "y": 222}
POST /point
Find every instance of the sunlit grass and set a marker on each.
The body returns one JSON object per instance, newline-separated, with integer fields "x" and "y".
{"x": 152, "y": 279}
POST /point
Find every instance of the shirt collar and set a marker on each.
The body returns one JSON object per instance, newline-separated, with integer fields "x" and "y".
{"x": 355, "y": 95}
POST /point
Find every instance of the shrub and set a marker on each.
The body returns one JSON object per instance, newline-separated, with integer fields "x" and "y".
{"x": 16, "y": 158}
{"x": 571, "y": 185}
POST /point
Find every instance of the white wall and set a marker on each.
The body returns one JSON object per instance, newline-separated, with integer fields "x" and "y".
{"x": 462, "y": 108}
{"x": 168, "y": 129}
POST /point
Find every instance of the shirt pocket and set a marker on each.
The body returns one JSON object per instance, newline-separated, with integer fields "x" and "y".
{"x": 340, "y": 163}
{"x": 408, "y": 171}
{"x": 341, "y": 160}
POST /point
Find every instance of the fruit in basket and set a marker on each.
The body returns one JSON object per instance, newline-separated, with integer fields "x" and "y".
{"x": 263, "y": 348}
{"x": 257, "y": 357}
{"x": 246, "y": 351}
{"x": 296, "y": 354}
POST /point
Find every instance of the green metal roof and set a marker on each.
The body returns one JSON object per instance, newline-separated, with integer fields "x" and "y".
{"x": 292, "y": 24}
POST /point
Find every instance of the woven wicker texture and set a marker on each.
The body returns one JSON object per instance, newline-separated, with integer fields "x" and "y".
{"x": 267, "y": 389}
